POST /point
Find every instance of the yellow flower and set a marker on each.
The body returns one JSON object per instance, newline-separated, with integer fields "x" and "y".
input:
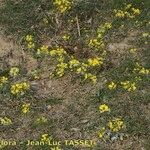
{"x": 129, "y": 86}
{"x": 116, "y": 125}
{"x": 93, "y": 79}
{"x": 42, "y": 50}
{"x": 19, "y": 88}
{"x": 128, "y": 6}
{"x": 66, "y": 37}
{"x": 60, "y": 70}
{"x": 62, "y": 65}
{"x": 62, "y": 5}
{"x": 144, "y": 71}
{"x": 26, "y": 108}
{"x": 104, "y": 108}
{"x": 90, "y": 76}
{"x": 112, "y": 86}
{"x": 5, "y": 121}
{"x": 73, "y": 63}
{"x": 136, "y": 11}
{"x": 82, "y": 68}
{"x": 95, "y": 61}
{"x": 60, "y": 59}
{"x": 101, "y": 132}
{"x": 119, "y": 14}
{"x": 94, "y": 43}
{"x": 3, "y": 80}
{"x": 31, "y": 45}
{"x": 14, "y": 71}
{"x": 29, "y": 38}
{"x": 133, "y": 50}
{"x": 108, "y": 25}
{"x": 57, "y": 52}
{"x": 127, "y": 11}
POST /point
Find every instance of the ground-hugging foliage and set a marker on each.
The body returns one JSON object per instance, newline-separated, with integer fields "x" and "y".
{"x": 80, "y": 71}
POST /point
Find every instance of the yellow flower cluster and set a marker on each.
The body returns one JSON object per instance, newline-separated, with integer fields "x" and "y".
{"x": 73, "y": 63}
{"x": 127, "y": 12}
{"x": 129, "y": 86}
{"x": 141, "y": 70}
{"x": 19, "y": 88}
{"x": 91, "y": 77}
{"x": 42, "y": 50}
{"x": 116, "y": 125}
{"x": 5, "y": 121}
{"x": 14, "y": 71}
{"x": 3, "y": 80}
{"x": 62, "y": 5}
{"x": 97, "y": 43}
{"x": 57, "y": 52}
{"x": 112, "y": 86}
{"x": 26, "y": 108}
{"x": 30, "y": 42}
{"x": 82, "y": 69}
{"x": 113, "y": 125}
{"x": 104, "y": 108}
{"x": 60, "y": 70}
{"x": 95, "y": 61}
{"x": 102, "y": 29}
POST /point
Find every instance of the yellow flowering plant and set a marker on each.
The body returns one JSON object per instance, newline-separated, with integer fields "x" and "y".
{"x": 43, "y": 50}
{"x": 91, "y": 77}
{"x": 104, "y": 108}
{"x": 116, "y": 124}
{"x": 14, "y": 71}
{"x": 95, "y": 61}
{"x": 129, "y": 86}
{"x": 26, "y": 108}
{"x": 5, "y": 121}
{"x": 30, "y": 42}
{"x": 73, "y": 63}
{"x": 133, "y": 50}
{"x": 127, "y": 12}
{"x": 101, "y": 132}
{"x": 29, "y": 38}
{"x": 140, "y": 69}
{"x": 98, "y": 43}
{"x": 19, "y": 88}
{"x": 62, "y": 5}
{"x": 3, "y": 80}
{"x": 112, "y": 85}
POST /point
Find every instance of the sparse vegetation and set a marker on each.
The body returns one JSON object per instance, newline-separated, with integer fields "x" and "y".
{"x": 73, "y": 71}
